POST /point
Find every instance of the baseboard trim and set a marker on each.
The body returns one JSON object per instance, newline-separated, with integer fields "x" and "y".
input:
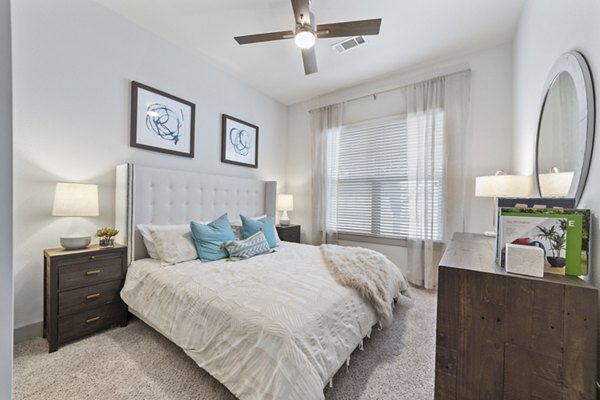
{"x": 27, "y": 332}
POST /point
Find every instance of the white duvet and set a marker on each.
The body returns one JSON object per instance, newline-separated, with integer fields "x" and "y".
{"x": 276, "y": 326}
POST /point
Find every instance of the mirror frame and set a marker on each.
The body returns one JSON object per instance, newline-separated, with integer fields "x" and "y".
{"x": 575, "y": 64}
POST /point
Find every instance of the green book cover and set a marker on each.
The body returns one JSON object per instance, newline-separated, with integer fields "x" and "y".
{"x": 563, "y": 234}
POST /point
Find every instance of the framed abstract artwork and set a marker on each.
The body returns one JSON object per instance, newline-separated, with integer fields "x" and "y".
{"x": 239, "y": 142}
{"x": 161, "y": 122}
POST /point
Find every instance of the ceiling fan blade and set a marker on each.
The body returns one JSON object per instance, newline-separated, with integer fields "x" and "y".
{"x": 309, "y": 57}
{"x": 301, "y": 7}
{"x": 264, "y": 37}
{"x": 351, "y": 28}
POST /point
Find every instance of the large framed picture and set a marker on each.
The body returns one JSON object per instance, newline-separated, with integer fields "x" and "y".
{"x": 239, "y": 142}
{"x": 161, "y": 122}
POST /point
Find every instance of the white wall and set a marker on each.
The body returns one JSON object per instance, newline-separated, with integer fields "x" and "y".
{"x": 547, "y": 29}
{"x": 6, "y": 242}
{"x": 491, "y": 122}
{"x": 73, "y": 63}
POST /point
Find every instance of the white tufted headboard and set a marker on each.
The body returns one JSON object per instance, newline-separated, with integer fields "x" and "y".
{"x": 146, "y": 195}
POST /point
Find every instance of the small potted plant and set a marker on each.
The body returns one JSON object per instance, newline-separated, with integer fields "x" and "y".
{"x": 107, "y": 236}
{"x": 556, "y": 235}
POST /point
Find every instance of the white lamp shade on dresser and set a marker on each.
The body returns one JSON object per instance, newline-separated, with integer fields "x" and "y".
{"x": 503, "y": 186}
{"x": 75, "y": 200}
{"x": 555, "y": 184}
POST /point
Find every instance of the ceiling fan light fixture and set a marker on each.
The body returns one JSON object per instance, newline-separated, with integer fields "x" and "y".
{"x": 305, "y": 39}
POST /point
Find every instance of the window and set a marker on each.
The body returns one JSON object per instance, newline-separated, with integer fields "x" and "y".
{"x": 376, "y": 180}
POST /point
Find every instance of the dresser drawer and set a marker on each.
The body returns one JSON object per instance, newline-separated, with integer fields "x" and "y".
{"x": 89, "y": 321}
{"x": 75, "y": 300}
{"x": 73, "y": 275}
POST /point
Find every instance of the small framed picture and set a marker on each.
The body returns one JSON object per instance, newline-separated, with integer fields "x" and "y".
{"x": 161, "y": 122}
{"x": 239, "y": 142}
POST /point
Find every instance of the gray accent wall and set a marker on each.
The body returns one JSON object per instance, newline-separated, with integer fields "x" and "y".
{"x": 6, "y": 247}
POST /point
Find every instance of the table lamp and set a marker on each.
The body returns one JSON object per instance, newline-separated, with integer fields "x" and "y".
{"x": 285, "y": 203}
{"x": 502, "y": 185}
{"x": 75, "y": 200}
{"x": 555, "y": 183}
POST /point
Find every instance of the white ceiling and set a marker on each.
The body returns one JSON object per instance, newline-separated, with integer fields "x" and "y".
{"x": 412, "y": 32}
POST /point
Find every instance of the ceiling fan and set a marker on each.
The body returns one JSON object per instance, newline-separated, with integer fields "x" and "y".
{"x": 307, "y": 32}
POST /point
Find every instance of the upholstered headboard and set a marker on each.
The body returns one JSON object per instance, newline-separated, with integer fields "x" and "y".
{"x": 146, "y": 195}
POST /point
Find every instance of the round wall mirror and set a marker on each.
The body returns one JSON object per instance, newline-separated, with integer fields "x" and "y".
{"x": 565, "y": 134}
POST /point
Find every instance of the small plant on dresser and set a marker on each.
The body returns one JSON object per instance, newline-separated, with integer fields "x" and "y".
{"x": 107, "y": 236}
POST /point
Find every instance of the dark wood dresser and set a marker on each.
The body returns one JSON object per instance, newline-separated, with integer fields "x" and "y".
{"x": 289, "y": 233}
{"x": 81, "y": 292}
{"x": 505, "y": 336}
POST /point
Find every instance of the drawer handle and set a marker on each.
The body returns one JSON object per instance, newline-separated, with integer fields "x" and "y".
{"x": 94, "y": 272}
{"x": 92, "y": 257}
{"x": 89, "y": 321}
{"x": 92, "y": 296}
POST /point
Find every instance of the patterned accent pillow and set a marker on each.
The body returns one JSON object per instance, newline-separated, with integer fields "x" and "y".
{"x": 238, "y": 231}
{"x": 249, "y": 247}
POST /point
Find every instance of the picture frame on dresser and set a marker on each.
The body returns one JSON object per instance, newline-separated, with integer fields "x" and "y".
{"x": 239, "y": 142}
{"x": 161, "y": 122}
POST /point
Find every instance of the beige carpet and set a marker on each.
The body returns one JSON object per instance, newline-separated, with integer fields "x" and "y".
{"x": 136, "y": 362}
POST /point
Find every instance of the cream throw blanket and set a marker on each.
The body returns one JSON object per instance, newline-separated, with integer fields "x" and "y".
{"x": 368, "y": 272}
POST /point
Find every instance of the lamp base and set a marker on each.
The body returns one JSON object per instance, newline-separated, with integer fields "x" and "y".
{"x": 284, "y": 220}
{"x": 75, "y": 242}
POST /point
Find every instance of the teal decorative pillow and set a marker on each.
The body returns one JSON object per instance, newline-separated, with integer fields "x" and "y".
{"x": 209, "y": 238}
{"x": 250, "y": 247}
{"x": 266, "y": 225}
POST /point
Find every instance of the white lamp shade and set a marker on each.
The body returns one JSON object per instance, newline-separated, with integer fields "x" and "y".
{"x": 75, "y": 200}
{"x": 285, "y": 202}
{"x": 503, "y": 186}
{"x": 555, "y": 184}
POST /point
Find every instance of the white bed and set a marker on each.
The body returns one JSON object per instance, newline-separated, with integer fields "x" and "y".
{"x": 276, "y": 326}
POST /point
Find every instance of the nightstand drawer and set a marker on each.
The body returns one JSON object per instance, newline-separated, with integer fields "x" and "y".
{"x": 89, "y": 273}
{"x": 75, "y": 300}
{"x": 89, "y": 321}
{"x": 293, "y": 235}
{"x": 90, "y": 259}
{"x": 289, "y": 233}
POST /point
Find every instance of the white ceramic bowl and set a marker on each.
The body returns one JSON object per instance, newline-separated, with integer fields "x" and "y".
{"x": 75, "y": 242}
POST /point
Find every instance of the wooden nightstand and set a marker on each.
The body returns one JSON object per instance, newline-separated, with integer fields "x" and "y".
{"x": 81, "y": 292}
{"x": 289, "y": 233}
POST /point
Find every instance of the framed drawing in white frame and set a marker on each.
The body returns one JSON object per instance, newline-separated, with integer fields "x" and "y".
{"x": 161, "y": 122}
{"x": 239, "y": 142}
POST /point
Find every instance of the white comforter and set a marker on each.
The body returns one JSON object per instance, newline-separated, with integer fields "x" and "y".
{"x": 276, "y": 326}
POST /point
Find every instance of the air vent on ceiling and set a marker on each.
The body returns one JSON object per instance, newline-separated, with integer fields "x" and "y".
{"x": 349, "y": 44}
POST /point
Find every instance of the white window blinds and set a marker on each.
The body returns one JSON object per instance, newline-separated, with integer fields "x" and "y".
{"x": 376, "y": 171}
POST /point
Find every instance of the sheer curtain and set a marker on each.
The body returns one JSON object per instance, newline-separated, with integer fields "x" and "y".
{"x": 326, "y": 126}
{"x": 436, "y": 106}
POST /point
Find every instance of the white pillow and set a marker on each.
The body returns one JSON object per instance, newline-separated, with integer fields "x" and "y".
{"x": 146, "y": 231}
{"x": 174, "y": 245}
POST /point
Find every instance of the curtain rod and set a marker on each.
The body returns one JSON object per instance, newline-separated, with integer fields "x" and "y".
{"x": 374, "y": 95}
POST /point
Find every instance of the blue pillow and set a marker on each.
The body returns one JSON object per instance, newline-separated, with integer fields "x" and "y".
{"x": 209, "y": 238}
{"x": 250, "y": 247}
{"x": 266, "y": 225}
